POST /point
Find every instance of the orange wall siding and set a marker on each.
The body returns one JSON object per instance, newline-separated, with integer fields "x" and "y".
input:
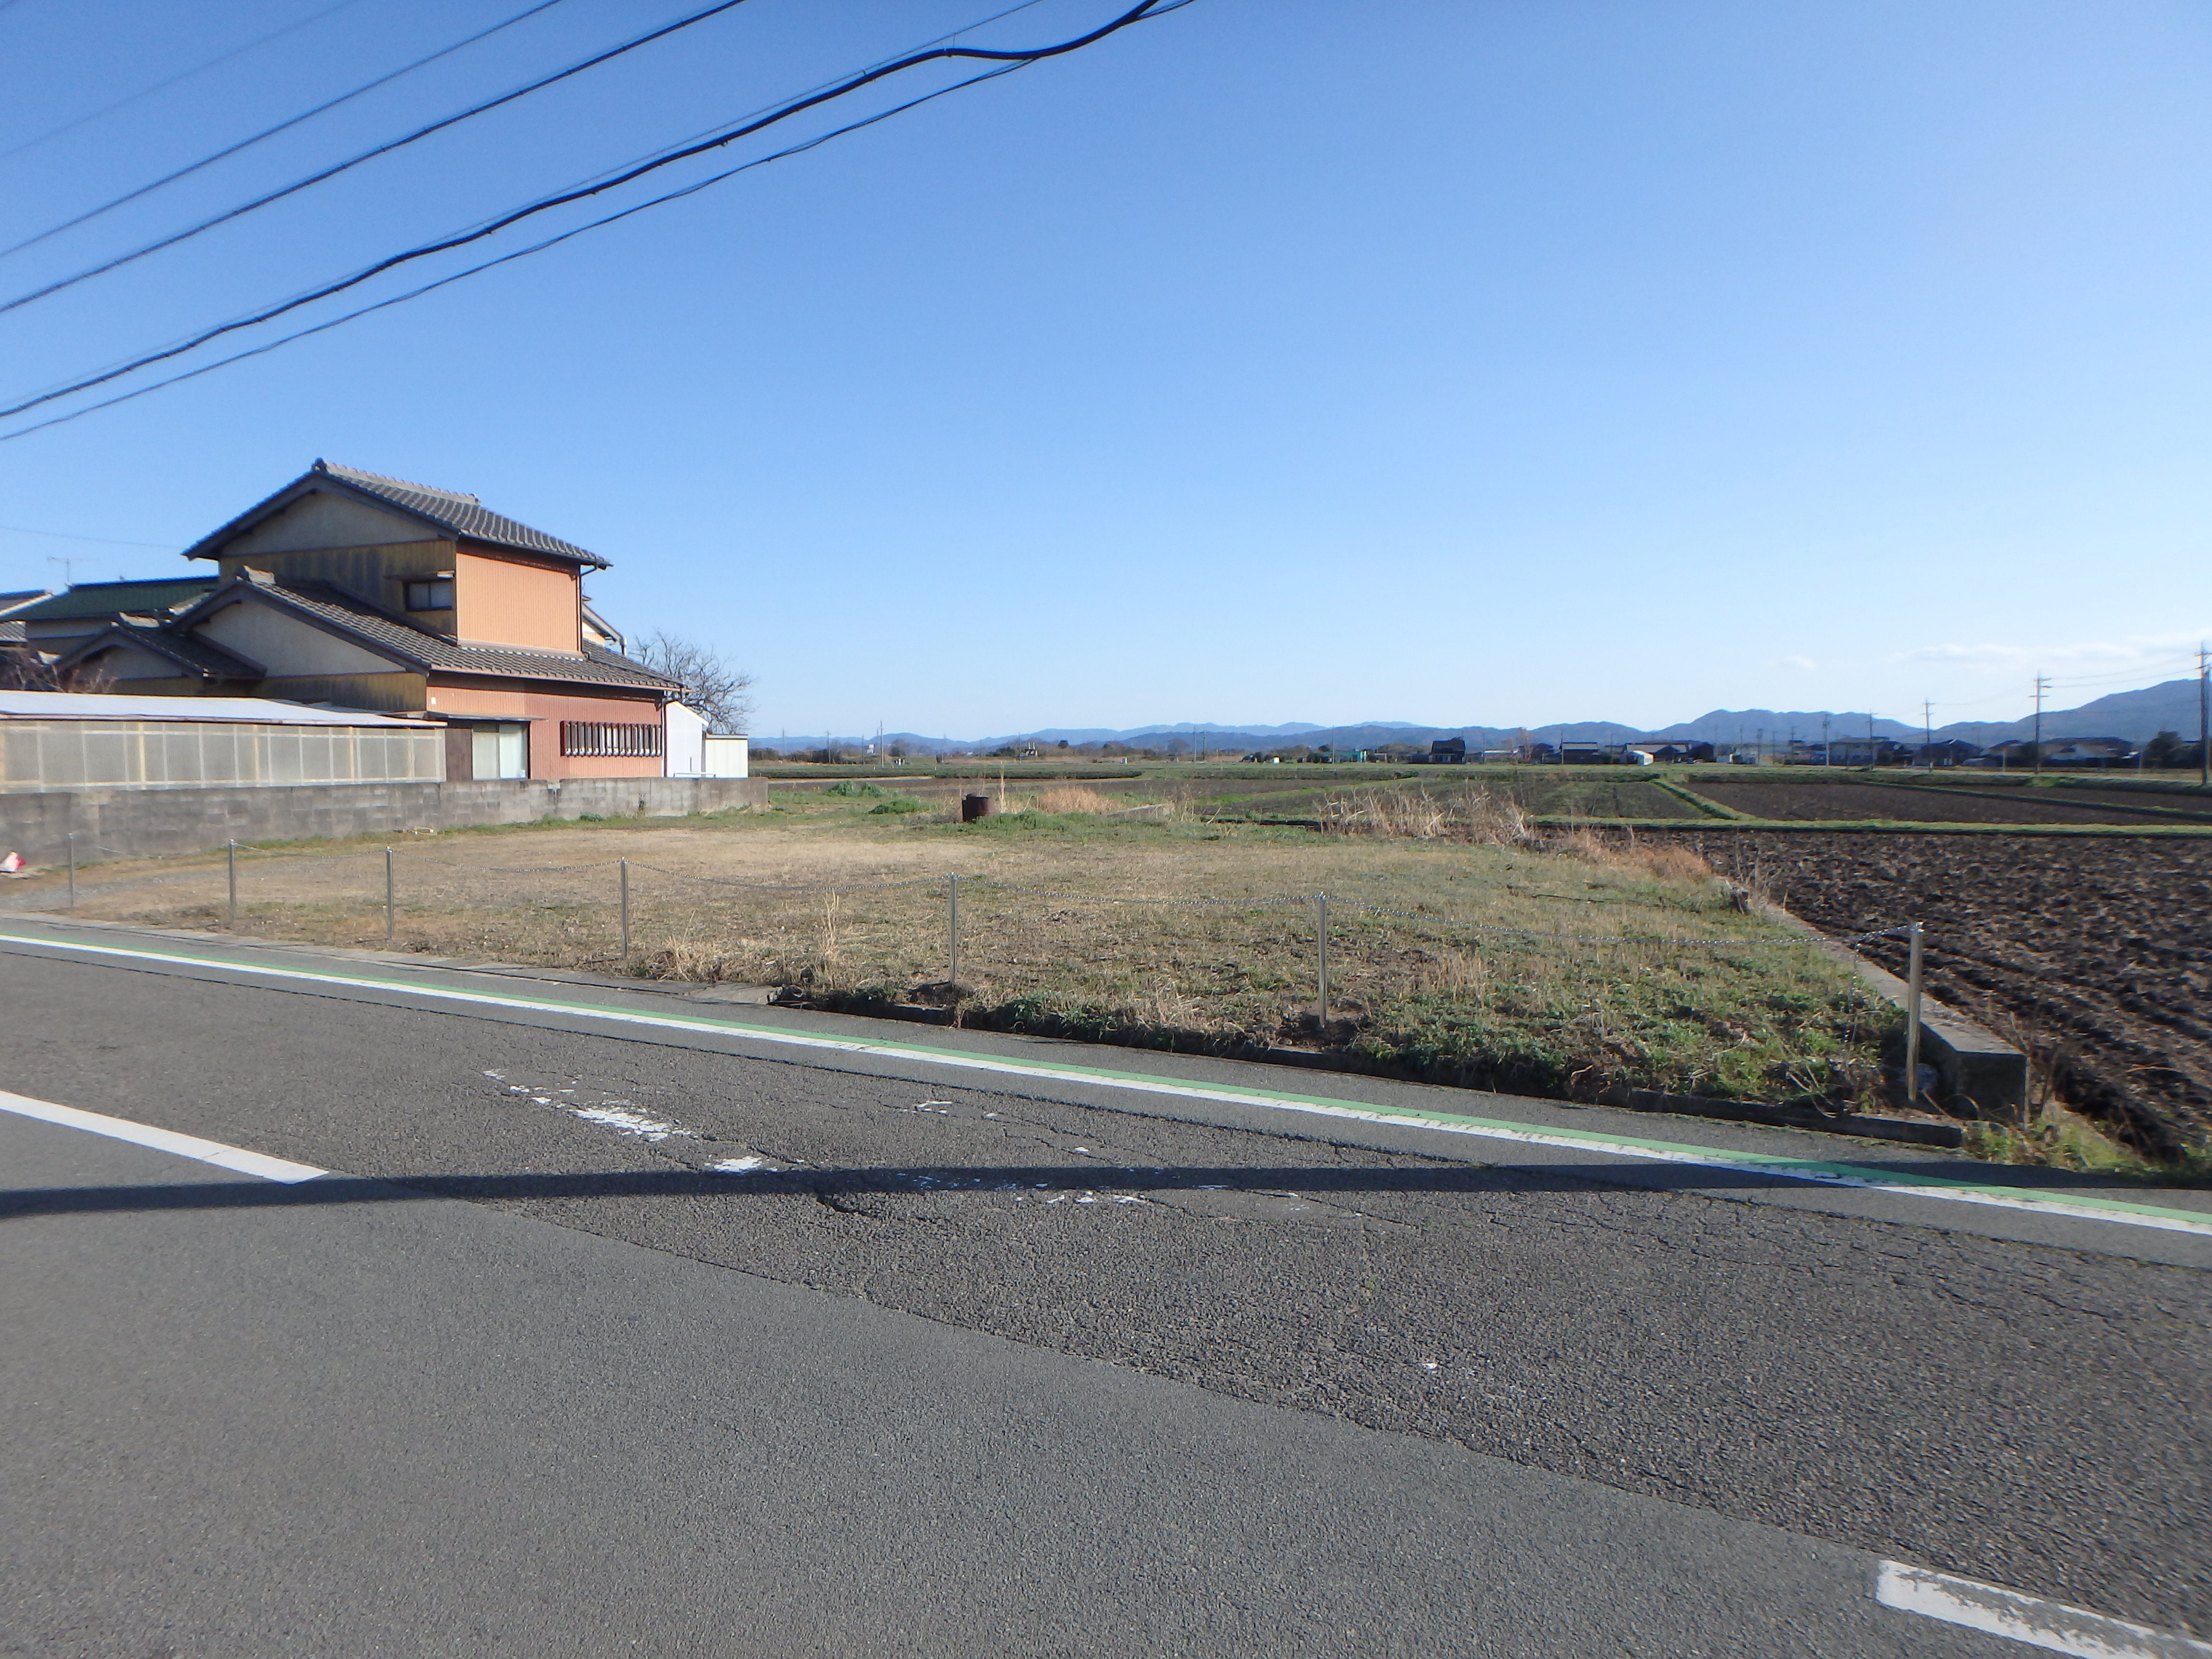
{"x": 458, "y": 699}
{"x": 509, "y": 601}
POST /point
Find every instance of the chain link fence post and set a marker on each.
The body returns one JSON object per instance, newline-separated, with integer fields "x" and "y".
{"x": 952, "y": 935}
{"x": 390, "y": 909}
{"x": 1912, "y": 1015}
{"x": 624, "y": 863}
{"x": 1321, "y": 958}
{"x": 230, "y": 854}
{"x": 72, "y": 861}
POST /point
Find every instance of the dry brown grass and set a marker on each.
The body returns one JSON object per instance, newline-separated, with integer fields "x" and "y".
{"x": 1415, "y": 812}
{"x": 1656, "y": 862}
{"x": 1077, "y": 798}
{"x": 1188, "y": 933}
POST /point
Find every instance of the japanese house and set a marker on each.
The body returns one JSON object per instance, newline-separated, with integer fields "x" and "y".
{"x": 351, "y": 590}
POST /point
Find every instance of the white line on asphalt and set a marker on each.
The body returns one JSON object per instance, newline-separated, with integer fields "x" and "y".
{"x": 2049, "y": 1624}
{"x": 163, "y": 1141}
{"x": 1944, "y": 1190}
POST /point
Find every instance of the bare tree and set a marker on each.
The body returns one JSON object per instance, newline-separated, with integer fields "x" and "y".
{"x": 714, "y": 686}
{"x": 24, "y": 670}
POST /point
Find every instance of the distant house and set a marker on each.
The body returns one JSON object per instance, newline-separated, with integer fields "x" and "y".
{"x": 1587, "y": 754}
{"x": 56, "y": 623}
{"x": 2090, "y": 751}
{"x": 2076, "y": 752}
{"x": 1444, "y": 752}
{"x": 1676, "y": 754}
{"x": 1856, "y": 751}
{"x": 354, "y": 590}
{"x": 14, "y": 642}
{"x": 1950, "y": 751}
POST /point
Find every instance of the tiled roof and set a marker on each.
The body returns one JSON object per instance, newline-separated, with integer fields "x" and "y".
{"x": 449, "y": 510}
{"x": 15, "y": 601}
{"x": 114, "y": 598}
{"x": 464, "y": 515}
{"x": 11, "y": 633}
{"x": 383, "y": 632}
{"x": 186, "y": 650}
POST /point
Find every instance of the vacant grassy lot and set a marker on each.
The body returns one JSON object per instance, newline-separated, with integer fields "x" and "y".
{"x": 1468, "y": 961}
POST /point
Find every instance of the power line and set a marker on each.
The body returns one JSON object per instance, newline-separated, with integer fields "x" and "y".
{"x": 1142, "y": 10}
{"x": 281, "y": 126}
{"x": 65, "y": 535}
{"x": 606, "y": 174}
{"x": 719, "y": 126}
{"x": 2114, "y": 677}
{"x": 183, "y": 75}
{"x": 507, "y": 258}
{"x": 1022, "y": 5}
{"x": 369, "y": 154}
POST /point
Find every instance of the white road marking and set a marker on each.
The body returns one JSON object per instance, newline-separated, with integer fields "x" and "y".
{"x": 163, "y": 1141}
{"x": 2047, "y": 1624}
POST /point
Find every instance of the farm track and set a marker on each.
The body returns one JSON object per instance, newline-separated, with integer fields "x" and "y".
{"x": 2096, "y": 955}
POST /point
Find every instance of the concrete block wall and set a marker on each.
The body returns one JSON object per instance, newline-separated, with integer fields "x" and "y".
{"x": 151, "y": 821}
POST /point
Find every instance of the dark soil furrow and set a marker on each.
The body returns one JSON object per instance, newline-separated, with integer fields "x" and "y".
{"x": 2097, "y": 954}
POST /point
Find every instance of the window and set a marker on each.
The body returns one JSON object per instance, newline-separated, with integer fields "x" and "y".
{"x": 501, "y": 751}
{"x": 436, "y": 595}
{"x": 604, "y": 739}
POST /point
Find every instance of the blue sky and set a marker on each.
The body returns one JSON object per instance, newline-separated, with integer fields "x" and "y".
{"x": 1452, "y": 363}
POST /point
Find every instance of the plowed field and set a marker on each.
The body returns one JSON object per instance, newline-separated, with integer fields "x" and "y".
{"x": 1913, "y": 804}
{"x": 2096, "y": 951}
{"x": 1616, "y": 797}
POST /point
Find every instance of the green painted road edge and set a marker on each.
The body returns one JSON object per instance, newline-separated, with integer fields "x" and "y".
{"x": 1882, "y": 827}
{"x": 2081, "y": 1207}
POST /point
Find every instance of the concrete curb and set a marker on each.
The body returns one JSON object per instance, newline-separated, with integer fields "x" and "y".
{"x": 1974, "y": 1065}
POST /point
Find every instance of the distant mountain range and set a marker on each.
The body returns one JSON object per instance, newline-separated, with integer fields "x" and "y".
{"x": 2135, "y": 715}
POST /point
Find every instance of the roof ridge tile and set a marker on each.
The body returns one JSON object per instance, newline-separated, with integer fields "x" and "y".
{"x": 340, "y": 470}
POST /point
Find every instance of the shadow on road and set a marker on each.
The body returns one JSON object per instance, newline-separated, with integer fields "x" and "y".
{"x": 712, "y": 1184}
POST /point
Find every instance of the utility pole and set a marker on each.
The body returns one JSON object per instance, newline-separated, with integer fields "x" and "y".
{"x": 1827, "y": 745}
{"x": 2203, "y": 717}
{"x": 2042, "y": 690}
{"x": 1928, "y": 733}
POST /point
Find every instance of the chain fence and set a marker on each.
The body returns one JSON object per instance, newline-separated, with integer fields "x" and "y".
{"x": 1714, "y": 998}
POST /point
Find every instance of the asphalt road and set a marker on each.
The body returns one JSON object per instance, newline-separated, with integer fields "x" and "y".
{"x": 597, "y": 1345}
